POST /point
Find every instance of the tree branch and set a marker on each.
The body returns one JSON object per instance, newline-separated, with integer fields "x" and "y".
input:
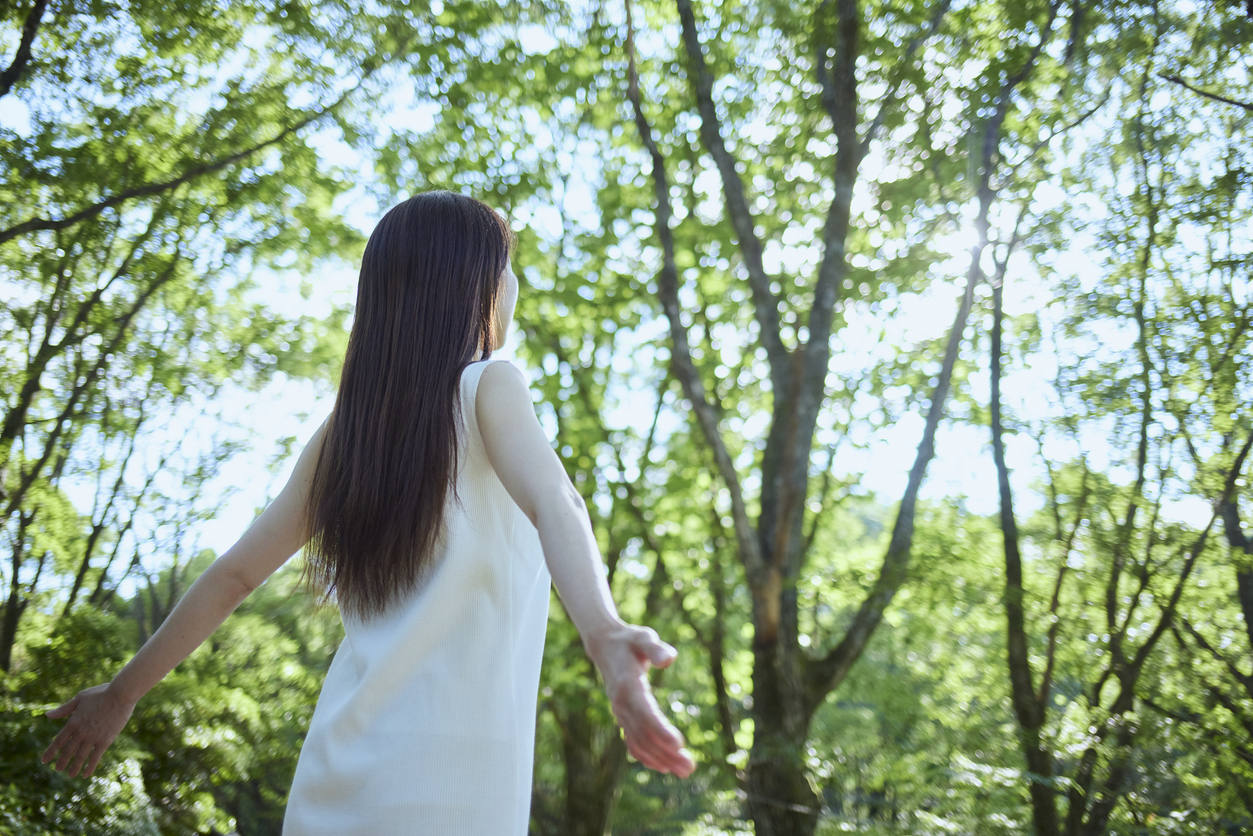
{"x": 1177, "y": 80}
{"x": 1238, "y": 540}
{"x": 1050, "y": 658}
{"x": 825, "y": 674}
{"x": 123, "y": 324}
{"x": 765, "y": 301}
{"x": 1029, "y": 706}
{"x": 148, "y": 189}
{"x": 1245, "y": 680}
{"x": 1168, "y": 611}
{"x": 898, "y": 73}
{"x": 1122, "y": 543}
{"x": 10, "y": 76}
{"x": 680, "y": 352}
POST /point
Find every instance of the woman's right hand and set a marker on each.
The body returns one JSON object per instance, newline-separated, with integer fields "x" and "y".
{"x": 623, "y": 656}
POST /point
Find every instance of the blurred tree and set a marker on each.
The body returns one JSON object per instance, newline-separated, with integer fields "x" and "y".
{"x": 722, "y": 209}
{"x": 153, "y": 160}
{"x": 1170, "y": 387}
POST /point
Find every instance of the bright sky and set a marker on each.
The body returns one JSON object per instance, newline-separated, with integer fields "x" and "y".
{"x": 963, "y": 465}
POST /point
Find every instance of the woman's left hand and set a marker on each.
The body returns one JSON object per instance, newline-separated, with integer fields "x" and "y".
{"x": 97, "y": 715}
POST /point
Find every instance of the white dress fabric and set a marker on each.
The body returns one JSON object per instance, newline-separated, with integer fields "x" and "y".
{"x": 426, "y": 723}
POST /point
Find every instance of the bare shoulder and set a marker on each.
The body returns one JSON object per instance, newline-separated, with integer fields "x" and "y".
{"x": 302, "y": 474}
{"x": 503, "y": 391}
{"x": 514, "y": 441}
{"x": 503, "y": 401}
{"x": 500, "y": 370}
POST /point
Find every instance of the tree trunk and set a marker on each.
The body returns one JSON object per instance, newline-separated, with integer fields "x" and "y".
{"x": 781, "y": 801}
{"x": 16, "y": 603}
{"x": 1029, "y": 707}
{"x": 593, "y": 778}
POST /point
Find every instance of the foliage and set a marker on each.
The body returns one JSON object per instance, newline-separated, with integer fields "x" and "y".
{"x": 1084, "y": 167}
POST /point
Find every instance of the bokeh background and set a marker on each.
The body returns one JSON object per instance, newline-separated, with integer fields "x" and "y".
{"x": 900, "y": 350}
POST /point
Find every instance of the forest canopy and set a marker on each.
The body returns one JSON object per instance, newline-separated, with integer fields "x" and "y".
{"x": 899, "y": 350}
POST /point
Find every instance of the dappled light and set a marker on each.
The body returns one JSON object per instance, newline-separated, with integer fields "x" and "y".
{"x": 899, "y": 352}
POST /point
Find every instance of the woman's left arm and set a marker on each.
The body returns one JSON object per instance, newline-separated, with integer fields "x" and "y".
{"x": 97, "y": 715}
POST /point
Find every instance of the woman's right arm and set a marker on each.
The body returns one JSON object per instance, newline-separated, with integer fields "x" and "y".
{"x": 536, "y": 479}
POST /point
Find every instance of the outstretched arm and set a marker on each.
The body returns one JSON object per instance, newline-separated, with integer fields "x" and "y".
{"x": 98, "y": 714}
{"x": 536, "y": 479}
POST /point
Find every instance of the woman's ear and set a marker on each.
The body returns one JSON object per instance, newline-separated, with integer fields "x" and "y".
{"x": 506, "y": 301}
{"x": 498, "y": 330}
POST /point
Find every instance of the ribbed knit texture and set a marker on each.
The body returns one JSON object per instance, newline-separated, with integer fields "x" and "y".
{"x": 426, "y": 723}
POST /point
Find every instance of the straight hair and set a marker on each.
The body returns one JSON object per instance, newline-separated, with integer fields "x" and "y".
{"x": 430, "y": 279}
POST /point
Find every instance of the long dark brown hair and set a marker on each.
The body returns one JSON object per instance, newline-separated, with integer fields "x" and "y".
{"x": 426, "y": 302}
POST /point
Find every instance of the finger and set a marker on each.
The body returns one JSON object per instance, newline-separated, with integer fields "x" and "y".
{"x": 84, "y": 754}
{"x": 667, "y": 740}
{"x": 642, "y": 745}
{"x": 664, "y": 655}
{"x": 64, "y": 710}
{"x": 68, "y": 753}
{"x": 95, "y": 759}
{"x": 60, "y": 740}
{"x": 647, "y": 756}
{"x": 658, "y": 726}
{"x": 648, "y": 645}
{"x": 687, "y": 767}
{"x": 642, "y": 731}
{"x": 635, "y": 724}
{"x": 665, "y": 737}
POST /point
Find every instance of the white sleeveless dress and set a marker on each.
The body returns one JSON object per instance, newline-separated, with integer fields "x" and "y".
{"x": 426, "y": 723}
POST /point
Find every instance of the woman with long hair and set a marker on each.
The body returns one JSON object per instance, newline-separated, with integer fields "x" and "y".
{"x": 436, "y": 515}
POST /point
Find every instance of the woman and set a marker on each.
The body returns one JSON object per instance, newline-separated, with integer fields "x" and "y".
{"x": 437, "y": 516}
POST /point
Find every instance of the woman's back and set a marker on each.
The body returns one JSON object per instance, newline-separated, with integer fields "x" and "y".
{"x": 426, "y": 722}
